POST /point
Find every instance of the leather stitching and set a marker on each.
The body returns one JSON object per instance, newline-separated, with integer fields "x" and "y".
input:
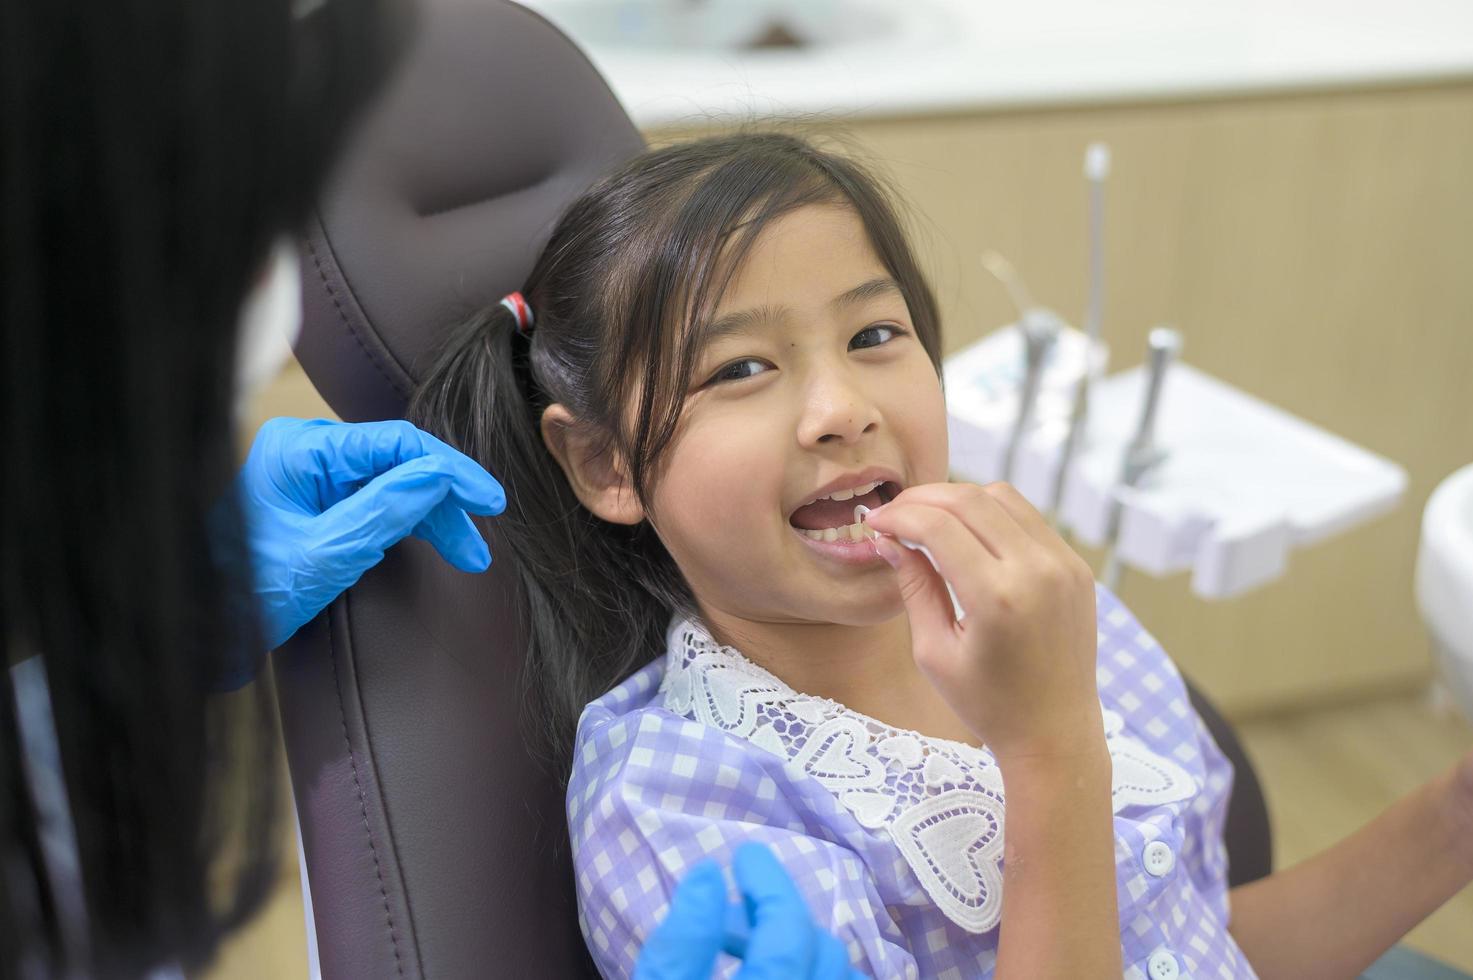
{"x": 348, "y": 321}
{"x": 363, "y": 802}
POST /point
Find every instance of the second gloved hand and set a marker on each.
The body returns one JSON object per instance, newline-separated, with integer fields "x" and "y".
{"x": 773, "y": 933}
{"x": 323, "y": 500}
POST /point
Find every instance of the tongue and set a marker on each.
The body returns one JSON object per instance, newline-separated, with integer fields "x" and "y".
{"x": 832, "y": 513}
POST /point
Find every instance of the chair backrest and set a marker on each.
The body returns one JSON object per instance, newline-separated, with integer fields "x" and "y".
{"x": 435, "y": 845}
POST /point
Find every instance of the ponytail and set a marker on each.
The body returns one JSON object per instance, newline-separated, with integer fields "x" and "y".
{"x": 595, "y": 596}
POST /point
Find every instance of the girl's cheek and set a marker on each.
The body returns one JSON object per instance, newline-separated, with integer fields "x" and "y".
{"x": 711, "y": 481}
{"x": 925, "y": 425}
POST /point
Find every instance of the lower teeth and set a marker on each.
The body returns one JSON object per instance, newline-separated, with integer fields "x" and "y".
{"x": 849, "y": 532}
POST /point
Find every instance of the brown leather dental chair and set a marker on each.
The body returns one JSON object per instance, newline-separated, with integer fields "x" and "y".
{"x": 434, "y": 844}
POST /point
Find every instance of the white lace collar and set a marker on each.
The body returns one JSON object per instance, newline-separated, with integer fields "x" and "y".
{"x": 940, "y": 801}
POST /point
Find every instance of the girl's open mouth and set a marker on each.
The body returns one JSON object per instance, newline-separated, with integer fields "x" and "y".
{"x": 828, "y": 524}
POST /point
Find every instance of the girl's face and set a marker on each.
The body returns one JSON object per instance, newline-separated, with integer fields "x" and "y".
{"x": 819, "y": 384}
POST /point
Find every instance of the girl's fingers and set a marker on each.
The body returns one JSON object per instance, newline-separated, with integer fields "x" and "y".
{"x": 922, "y": 589}
{"x": 986, "y": 517}
{"x": 963, "y": 558}
{"x": 1029, "y": 519}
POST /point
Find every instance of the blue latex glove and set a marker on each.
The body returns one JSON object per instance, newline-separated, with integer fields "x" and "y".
{"x": 323, "y": 500}
{"x": 772, "y": 933}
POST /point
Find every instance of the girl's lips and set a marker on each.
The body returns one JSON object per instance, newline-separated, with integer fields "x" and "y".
{"x": 845, "y": 552}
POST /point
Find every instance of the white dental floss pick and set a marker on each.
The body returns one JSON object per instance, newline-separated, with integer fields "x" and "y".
{"x": 956, "y": 607}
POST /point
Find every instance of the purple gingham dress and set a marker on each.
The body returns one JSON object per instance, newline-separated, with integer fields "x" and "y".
{"x": 894, "y": 838}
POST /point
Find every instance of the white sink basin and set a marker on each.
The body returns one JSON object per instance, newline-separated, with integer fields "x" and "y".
{"x": 1445, "y": 582}
{"x": 725, "y": 26}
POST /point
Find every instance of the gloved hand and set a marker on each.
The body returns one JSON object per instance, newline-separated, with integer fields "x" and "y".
{"x": 781, "y": 940}
{"x": 323, "y": 500}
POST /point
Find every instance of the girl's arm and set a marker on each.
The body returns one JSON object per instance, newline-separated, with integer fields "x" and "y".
{"x": 1019, "y": 669}
{"x": 1336, "y": 913}
{"x": 1060, "y": 915}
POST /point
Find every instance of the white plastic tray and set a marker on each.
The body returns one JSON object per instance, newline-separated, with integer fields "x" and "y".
{"x": 1244, "y": 483}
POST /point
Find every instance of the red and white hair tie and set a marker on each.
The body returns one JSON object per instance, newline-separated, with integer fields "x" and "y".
{"x": 520, "y": 309}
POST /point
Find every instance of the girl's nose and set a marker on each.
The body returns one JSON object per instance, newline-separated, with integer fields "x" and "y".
{"x": 837, "y": 410}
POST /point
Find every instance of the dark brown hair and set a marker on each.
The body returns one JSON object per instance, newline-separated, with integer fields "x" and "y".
{"x": 150, "y": 151}
{"x": 632, "y": 272}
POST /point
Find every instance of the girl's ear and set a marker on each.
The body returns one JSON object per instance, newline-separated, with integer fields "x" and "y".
{"x": 599, "y": 480}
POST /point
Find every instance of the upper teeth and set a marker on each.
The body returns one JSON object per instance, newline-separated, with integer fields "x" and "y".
{"x": 858, "y": 491}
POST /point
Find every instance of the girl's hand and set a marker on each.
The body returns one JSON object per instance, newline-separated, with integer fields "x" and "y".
{"x": 1019, "y": 670}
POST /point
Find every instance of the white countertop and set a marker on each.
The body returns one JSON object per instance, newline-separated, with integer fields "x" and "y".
{"x": 939, "y": 55}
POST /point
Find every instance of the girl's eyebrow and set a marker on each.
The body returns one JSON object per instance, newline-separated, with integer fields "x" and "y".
{"x": 878, "y": 286}
{"x": 743, "y": 321}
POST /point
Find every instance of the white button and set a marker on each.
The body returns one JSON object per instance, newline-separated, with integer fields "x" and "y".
{"x": 1159, "y": 858}
{"x": 1163, "y": 966}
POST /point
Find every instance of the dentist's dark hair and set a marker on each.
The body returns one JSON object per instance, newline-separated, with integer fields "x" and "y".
{"x": 150, "y": 151}
{"x": 630, "y": 276}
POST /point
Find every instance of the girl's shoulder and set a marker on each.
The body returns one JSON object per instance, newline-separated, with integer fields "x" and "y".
{"x": 638, "y": 766}
{"x": 631, "y": 735}
{"x": 630, "y": 729}
{"x": 635, "y": 693}
{"x": 693, "y": 732}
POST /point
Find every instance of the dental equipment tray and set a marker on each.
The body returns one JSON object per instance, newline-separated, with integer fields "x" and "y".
{"x": 1241, "y": 485}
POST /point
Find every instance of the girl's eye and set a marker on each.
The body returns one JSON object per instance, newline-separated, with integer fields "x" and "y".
{"x": 735, "y": 371}
{"x": 879, "y": 329}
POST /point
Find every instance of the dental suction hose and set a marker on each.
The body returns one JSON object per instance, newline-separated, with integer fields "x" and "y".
{"x": 1040, "y": 328}
{"x": 1142, "y": 454}
{"x": 1096, "y": 170}
{"x": 1165, "y": 344}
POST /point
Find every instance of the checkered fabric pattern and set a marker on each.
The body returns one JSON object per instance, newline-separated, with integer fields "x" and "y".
{"x": 653, "y": 792}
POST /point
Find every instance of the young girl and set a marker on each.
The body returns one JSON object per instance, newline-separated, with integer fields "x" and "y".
{"x": 724, "y": 347}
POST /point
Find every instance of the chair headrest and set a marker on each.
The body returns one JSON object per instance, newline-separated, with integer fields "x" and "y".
{"x": 494, "y": 123}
